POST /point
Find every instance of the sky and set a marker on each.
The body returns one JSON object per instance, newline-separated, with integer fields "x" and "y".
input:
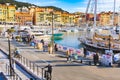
{"x": 77, "y": 5}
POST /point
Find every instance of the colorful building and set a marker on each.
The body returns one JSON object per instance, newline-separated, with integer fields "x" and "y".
{"x": 23, "y": 18}
{"x": 7, "y": 13}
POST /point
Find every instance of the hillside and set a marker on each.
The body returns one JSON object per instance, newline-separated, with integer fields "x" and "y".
{"x": 20, "y": 4}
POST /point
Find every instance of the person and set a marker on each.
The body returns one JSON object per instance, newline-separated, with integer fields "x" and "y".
{"x": 56, "y": 49}
{"x": 49, "y": 70}
{"x": 17, "y": 52}
{"x": 68, "y": 55}
{"x": 95, "y": 58}
{"x": 42, "y": 41}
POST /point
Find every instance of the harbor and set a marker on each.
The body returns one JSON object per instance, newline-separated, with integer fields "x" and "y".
{"x": 60, "y": 40}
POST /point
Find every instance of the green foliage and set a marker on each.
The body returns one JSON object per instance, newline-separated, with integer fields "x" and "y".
{"x": 17, "y": 37}
{"x": 10, "y": 30}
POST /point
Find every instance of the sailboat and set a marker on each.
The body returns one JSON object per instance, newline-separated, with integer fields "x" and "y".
{"x": 100, "y": 39}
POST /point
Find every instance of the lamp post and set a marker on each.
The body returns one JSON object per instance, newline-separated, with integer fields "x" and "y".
{"x": 52, "y": 32}
{"x": 19, "y": 22}
{"x": 10, "y": 59}
{"x": 109, "y": 42}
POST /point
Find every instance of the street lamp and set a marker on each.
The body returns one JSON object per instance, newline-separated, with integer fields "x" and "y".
{"x": 109, "y": 42}
{"x": 52, "y": 32}
{"x": 18, "y": 20}
{"x": 10, "y": 59}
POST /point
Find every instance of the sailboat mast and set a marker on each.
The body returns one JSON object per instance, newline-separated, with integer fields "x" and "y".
{"x": 114, "y": 12}
{"x": 95, "y": 14}
{"x": 87, "y": 11}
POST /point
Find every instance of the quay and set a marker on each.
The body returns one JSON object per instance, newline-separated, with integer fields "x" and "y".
{"x": 61, "y": 69}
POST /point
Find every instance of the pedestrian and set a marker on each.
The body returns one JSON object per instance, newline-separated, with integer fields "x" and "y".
{"x": 49, "y": 70}
{"x": 68, "y": 55}
{"x": 95, "y": 58}
{"x": 42, "y": 41}
{"x": 56, "y": 49}
{"x": 17, "y": 53}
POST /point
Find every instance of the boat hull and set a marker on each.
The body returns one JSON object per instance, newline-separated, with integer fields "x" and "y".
{"x": 93, "y": 48}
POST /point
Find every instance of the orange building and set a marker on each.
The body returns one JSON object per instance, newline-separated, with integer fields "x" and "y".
{"x": 23, "y": 18}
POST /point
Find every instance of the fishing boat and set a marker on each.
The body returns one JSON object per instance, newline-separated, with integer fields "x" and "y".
{"x": 101, "y": 39}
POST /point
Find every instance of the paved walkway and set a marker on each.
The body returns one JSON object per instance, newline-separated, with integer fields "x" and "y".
{"x": 63, "y": 70}
{"x": 4, "y": 61}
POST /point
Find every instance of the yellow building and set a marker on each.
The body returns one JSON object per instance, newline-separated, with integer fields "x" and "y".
{"x": 7, "y": 13}
{"x": 65, "y": 18}
{"x": 45, "y": 16}
{"x": 41, "y": 16}
{"x": 57, "y": 18}
{"x": 71, "y": 19}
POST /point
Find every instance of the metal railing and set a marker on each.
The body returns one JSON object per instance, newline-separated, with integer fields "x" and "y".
{"x": 14, "y": 75}
{"x": 31, "y": 66}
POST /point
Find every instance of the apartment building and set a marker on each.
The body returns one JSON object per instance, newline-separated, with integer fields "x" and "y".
{"x": 7, "y": 13}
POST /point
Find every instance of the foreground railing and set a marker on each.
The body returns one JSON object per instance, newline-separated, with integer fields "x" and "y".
{"x": 13, "y": 75}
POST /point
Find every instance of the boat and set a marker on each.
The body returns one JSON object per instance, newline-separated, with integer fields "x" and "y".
{"x": 38, "y": 34}
{"x": 101, "y": 39}
{"x": 74, "y": 30}
{"x": 58, "y": 34}
{"x": 101, "y": 43}
{"x": 66, "y": 30}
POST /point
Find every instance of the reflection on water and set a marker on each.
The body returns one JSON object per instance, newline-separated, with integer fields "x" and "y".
{"x": 71, "y": 39}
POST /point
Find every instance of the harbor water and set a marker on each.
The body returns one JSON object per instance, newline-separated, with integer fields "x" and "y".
{"x": 70, "y": 39}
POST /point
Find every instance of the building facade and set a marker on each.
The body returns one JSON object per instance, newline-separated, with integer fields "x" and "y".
{"x": 7, "y": 13}
{"x": 23, "y": 18}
